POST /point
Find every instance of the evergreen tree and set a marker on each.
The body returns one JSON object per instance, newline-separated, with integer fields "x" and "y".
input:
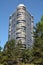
{"x": 9, "y": 51}
{"x": 0, "y": 54}
{"x": 38, "y": 43}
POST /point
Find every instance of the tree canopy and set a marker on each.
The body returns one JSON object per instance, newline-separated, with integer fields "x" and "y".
{"x": 38, "y": 42}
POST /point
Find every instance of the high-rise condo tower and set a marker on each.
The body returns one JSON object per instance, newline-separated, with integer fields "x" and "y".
{"x": 21, "y": 26}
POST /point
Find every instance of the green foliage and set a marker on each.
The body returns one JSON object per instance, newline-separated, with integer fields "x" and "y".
{"x": 25, "y": 55}
{"x": 15, "y": 52}
{"x": 0, "y": 54}
{"x": 0, "y": 48}
{"x": 0, "y": 57}
{"x": 5, "y": 63}
{"x": 9, "y": 51}
{"x": 38, "y": 44}
{"x": 1, "y": 64}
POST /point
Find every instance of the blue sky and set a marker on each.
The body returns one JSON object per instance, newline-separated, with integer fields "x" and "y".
{"x": 7, "y": 7}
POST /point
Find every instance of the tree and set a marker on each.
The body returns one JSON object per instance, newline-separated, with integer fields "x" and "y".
{"x": 38, "y": 43}
{"x": 25, "y": 55}
{"x": 9, "y": 51}
{"x": 22, "y": 54}
{"x": 0, "y": 54}
{"x": 18, "y": 51}
{"x": 12, "y": 51}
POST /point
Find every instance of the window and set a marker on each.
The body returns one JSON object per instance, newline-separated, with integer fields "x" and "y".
{"x": 18, "y": 33}
{"x": 18, "y": 14}
{"x": 23, "y": 26}
{"x": 18, "y": 28}
{"x": 10, "y": 24}
{"x": 18, "y": 22}
{"x": 23, "y": 20}
{"x": 20, "y": 37}
{"x": 23, "y": 8}
{"x": 9, "y": 36}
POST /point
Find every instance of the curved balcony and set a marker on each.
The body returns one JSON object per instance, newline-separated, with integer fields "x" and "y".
{"x": 17, "y": 31}
{"x": 21, "y": 35}
{"x": 21, "y": 17}
{"x": 21, "y": 30}
{"x": 20, "y": 24}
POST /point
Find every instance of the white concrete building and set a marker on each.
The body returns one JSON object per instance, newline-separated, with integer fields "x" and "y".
{"x": 21, "y": 26}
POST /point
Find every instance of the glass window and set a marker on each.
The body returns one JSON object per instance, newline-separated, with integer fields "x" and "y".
{"x": 18, "y": 22}
{"x": 18, "y": 33}
{"x": 18, "y": 28}
{"x": 19, "y": 13}
{"x": 20, "y": 37}
{"x": 23, "y": 20}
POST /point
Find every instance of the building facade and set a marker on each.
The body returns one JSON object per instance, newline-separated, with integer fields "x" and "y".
{"x": 21, "y": 26}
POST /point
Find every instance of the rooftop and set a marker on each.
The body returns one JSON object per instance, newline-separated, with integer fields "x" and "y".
{"x": 21, "y": 5}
